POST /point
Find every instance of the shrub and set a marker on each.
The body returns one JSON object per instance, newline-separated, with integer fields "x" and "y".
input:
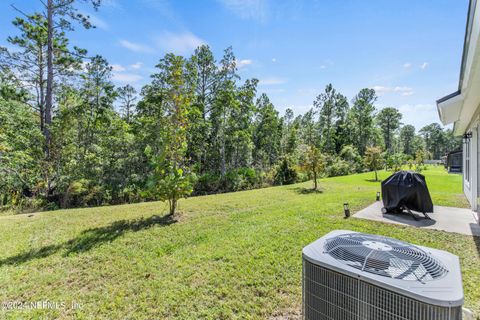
{"x": 339, "y": 167}
{"x": 395, "y": 161}
{"x": 350, "y": 154}
{"x": 234, "y": 180}
{"x": 285, "y": 172}
{"x": 207, "y": 183}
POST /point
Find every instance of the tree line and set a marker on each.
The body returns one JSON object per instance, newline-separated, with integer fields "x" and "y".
{"x": 69, "y": 137}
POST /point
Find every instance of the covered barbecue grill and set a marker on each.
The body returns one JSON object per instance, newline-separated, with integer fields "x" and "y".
{"x": 405, "y": 191}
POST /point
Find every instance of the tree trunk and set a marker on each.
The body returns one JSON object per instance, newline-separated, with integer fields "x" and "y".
{"x": 49, "y": 95}
{"x": 223, "y": 166}
{"x": 315, "y": 179}
{"x": 41, "y": 102}
{"x": 376, "y": 176}
{"x": 173, "y": 206}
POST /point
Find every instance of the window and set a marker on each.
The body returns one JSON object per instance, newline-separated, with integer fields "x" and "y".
{"x": 467, "y": 159}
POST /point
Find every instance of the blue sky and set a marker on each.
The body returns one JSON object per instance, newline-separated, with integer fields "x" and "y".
{"x": 409, "y": 51}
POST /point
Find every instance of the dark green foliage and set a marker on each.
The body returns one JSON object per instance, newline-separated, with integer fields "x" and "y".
{"x": 20, "y": 149}
{"x": 332, "y": 108}
{"x": 407, "y": 136}
{"x": 362, "y": 119}
{"x": 435, "y": 139}
{"x": 338, "y": 167}
{"x": 285, "y": 172}
{"x": 388, "y": 120}
{"x": 234, "y": 180}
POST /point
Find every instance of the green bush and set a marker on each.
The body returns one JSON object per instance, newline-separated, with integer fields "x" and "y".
{"x": 339, "y": 167}
{"x": 285, "y": 172}
{"x": 234, "y": 180}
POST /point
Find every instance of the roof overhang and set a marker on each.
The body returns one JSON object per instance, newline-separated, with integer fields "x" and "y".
{"x": 462, "y": 106}
{"x": 449, "y": 107}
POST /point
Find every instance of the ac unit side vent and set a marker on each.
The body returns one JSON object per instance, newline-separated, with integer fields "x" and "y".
{"x": 330, "y": 295}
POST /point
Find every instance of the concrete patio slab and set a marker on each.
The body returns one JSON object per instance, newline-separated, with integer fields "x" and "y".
{"x": 450, "y": 219}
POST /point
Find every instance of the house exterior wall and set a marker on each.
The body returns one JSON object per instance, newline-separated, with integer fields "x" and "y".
{"x": 471, "y": 166}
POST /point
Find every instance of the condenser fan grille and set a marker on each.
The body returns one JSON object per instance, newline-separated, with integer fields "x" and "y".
{"x": 384, "y": 256}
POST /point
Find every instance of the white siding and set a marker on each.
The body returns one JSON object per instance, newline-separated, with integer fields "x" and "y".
{"x": 471, "y": 167}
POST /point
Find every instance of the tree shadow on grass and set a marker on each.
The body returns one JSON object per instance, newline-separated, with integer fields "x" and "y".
{"x": 476, "y": 240}
{"x": 307, "y": 190}
{"x": 91, "y": 238}
{"x": 373, "y": 180}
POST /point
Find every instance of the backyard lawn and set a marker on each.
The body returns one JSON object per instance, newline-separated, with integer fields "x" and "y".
{"x": 235, "y": 255}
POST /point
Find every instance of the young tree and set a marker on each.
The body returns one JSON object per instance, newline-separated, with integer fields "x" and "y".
{"x": 373, "y": 159}
{"x": 98, "y": 94}
{"x": 224, "y": 100}
{"x": 267, "y": 134}
{"x": 342, "y": 130}
{"x": 388, "y": 119}
{"x": 289, "y": 133}
{"x": 434, "y": 139}
{"x": 240, "y": 127}
{"x": 420, "y": 156}
{"x": 205, "y": 75}
{"x": 171, "y": 179}
{"x": 313, "y": 161}
{"x": 407, "y": 136}
{"x": 395, "y": 161}
{"x": 127, "y": 96}
{"x": 331, "y": 108}
{"x": 307, "y": 124}
{"x": 362, "y": 115}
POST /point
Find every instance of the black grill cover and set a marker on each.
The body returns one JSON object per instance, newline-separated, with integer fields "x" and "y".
{"x": 406, "y": 189}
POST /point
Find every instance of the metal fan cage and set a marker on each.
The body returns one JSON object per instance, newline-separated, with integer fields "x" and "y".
{"x": 385, "y": 257}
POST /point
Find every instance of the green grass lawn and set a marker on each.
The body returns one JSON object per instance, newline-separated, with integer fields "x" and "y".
{"x": 235, "y": 255}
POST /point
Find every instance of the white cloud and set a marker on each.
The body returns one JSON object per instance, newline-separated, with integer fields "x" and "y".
{"x": 247, "y": 9}
{"x": 99, "y": 23}
{"x": 307, "y": 91}
{"x": 135, "y": 47}
{"x": 118, "y": 68}
{"x": 110, "y": 3}
{"x": 419, "y": 115}
{"x": 126, "y": 77}
{"x": 301, "y": 109}
{"x": 424, "y": 65}
{"x": 326, "y": 63}
{"x": 179, "y": 43}
{"x": 404, "y": 91}
{"x": 273, "y": 90}
{"x": 274, "y": 60}
{"x": 161, "y": 6}
{"x": 407, "y": 65}
{"x": 271, "y": 81}
{"x": 243, "y": 63}
{"x": 136, "y": 65}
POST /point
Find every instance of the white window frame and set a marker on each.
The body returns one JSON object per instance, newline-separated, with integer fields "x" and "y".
{"x": 468, "y": 156}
